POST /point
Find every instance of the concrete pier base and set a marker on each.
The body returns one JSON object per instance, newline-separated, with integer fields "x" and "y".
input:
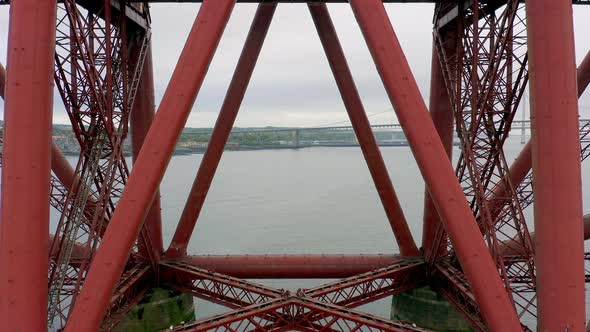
{"x": 158, "y": 310}
{"x": 428, "y": 310}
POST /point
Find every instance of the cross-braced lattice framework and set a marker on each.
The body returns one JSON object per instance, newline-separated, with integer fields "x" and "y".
{"x": 486, "y": 74}
{"x": 263, "y": 308}
{"x": 98, "y": 85}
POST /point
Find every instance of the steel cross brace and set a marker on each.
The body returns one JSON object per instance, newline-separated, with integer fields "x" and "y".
{"x": 131, "y": 288}
{"x": 450, "y": 282}
{"x": 296, "y": 313}
{"x": 264, "y": 308}
{"x": 215, "y": 287}
{"x": 373, "y": 285}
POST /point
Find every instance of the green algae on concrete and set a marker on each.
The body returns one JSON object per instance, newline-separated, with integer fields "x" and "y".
{"x": 158, "y": 310}
{"x": 428, "y": 310}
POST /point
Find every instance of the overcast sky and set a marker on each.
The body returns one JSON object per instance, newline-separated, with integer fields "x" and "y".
{"x": 292, "y": 84}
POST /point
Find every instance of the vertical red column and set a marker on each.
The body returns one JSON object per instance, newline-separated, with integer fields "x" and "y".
{"x": 59, "y": 164}
{"x": 141, "y": 119}
{"x": 559, "y": 244}
{"x": 362, "y": 128}
{"x": 225, "y": 121}
{"x": 26, "y": 166}
{"x": 448, "y": 197}
{"x": 188, "y": 76}
{"x": 442, "y": 116}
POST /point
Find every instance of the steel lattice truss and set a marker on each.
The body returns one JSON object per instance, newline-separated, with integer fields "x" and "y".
{"x": 97, "y": 85}
{"x": 486, "y": 74}
{"x": 102, "y": 71}
{"x": 262, "y": 308}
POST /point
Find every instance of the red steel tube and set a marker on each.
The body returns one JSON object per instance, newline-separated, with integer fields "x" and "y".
{"x": 148, "y": 171}
{"x": 292, "y": 266}
{"x": 442, "y": 117}
{"x": 584, "y": 75}
{"x": 559, "y": 245}
{"x": 78, "y": 251}
{"x": 227, "y": 116}
{"x": 59, "y": 164}
{"x": 26, "y": 166}
{"x": 141, "y": 118}
{"x": 508, "y": 249}
{"x": 362, "y": 128}
{"x": 523, "y": 163}
{"x": 448, "y": 197}
{"x": 2, "y": 80}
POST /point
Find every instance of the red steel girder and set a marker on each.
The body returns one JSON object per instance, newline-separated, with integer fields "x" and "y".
{"x": 92, "y": 69}
{"x": 153, "y": 158}
{"x": 356, "y": 290}
{"x": 442, "y": 117}
{"x": 508, "y": 248}
{"x": 133, "y": 284}
{"x": 227, "y": 116}
{"x": 27, "y": 166}
{"x": 216, "y": 287}
{"x": 373, "y": 285}
{"x": 428, "y": 150}
{"x": 292, "y": 266}
{"x": 63, "y": 178}
{"x": 583, "y": 73}
{"x": 236, "y": 293}
{"x": 362, "y": 128}
{"x": 520, "y": 170}
{"x": 559, "y": 244}
{"x": 486, "y": 74}
{"x": 295, "y": 313}
{"x": 450, "y": 282}
{"x": 2, "y": 80}
{"x": 141, "y": 117}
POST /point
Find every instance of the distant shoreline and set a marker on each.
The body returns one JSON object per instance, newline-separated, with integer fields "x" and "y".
{"x": 186, "y": 151}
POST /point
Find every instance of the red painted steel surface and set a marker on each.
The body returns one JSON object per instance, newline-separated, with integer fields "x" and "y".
{"x": 485, "y": 96}
{"x": 141, "y": 118}
{"x": 263, "y": 308}
{"x": 221, "y": 132}
{"x": 508, "y": 250}
{"x": 557, "y": 180}
{"x": 2, "y": 80}
{"x": 439, "y": 177}
{"x": 442, "y": 117}
{"x": 292, "y": 266}
{"x": 584, "y": 74}
{"x": 27, "y": 166}
{"x": 362, "y": 128}
{"x": 161, "y": 139}
{"x": 522, "y": 166}
{"x": 479, "y": 72}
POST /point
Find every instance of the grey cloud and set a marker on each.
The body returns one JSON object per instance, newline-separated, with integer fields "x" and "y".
{"x": 292, "y": 80}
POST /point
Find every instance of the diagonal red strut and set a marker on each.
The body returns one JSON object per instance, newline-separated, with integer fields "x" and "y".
{"x": 152, "y": 161}
{"x": 227, "y": 116}
{"x": 438, "y": 174}
{"x": 362, "y": 128}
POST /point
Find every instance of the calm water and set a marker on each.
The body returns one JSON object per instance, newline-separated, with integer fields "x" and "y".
{"x": 308, "y": 201}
